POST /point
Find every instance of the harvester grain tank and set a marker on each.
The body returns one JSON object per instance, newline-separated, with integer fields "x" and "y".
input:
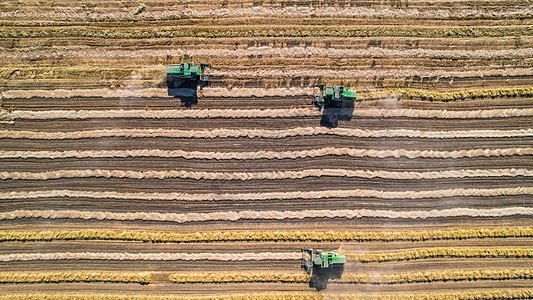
{"x": 323, "y": 266}
{"x": 183, "y": 81}
{"x": 337, "y": 102}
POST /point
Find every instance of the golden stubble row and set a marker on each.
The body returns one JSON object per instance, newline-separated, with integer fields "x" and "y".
{"x": 228, "y": 236}
{"x": 478, "y": 294}
{"x": 357, "y": 278}
{"x": 266, "y": 175}
{"x": 56, "y": 277}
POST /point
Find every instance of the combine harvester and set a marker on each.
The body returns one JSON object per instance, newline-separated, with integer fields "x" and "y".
{"x": 337, "y": 102}
{"x": 183, "y": 81}
{"x": 323, "y": 266}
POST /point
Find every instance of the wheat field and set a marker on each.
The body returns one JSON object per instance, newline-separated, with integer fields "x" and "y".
{"x": 109, "y": 189}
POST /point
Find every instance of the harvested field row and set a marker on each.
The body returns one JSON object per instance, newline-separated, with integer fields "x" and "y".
{"x": 152, "y": 75}
{"x": 261, "y": 113}
{"x": 266, "y": 215}
{"x": 291, "y": 52}
{"x": 226, "y": 236}
{"x": 262, "y": 31}
{"x": 273, "y": 155}
{"x": 214, "y": 4}
{"x": 262, "y": 133}
{"x": 158, "y": 256}
{"x": 327, "y": 162}
{"x": 249, "y": 21}
{"x": 162, "y": 13}
{"x": 273, "y": 175}
{"x": 418, "y": 254}
{"x": 187, "y": 43}
{"x": 502, "y": 293}
{"x": 357, "y": 193}
{"x": 417, "y": 79}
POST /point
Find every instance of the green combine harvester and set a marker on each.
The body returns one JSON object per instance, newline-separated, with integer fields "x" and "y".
{"x": 337, "y": 102}
{"x": 184, "y": 79}
{"x": 323, "y": 266}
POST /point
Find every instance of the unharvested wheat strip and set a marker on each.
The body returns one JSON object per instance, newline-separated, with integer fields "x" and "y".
{"x": 274, "y": 175}
{"x": 151, "y": 256}
{"x": 320, "y": 152}
{"x": 266, "y": 215}
{"x": 56, "y": 277}
{"x": 237, "y": 236}
{"x": 359, "y": 278}
{"x": 259, "y": 113}
{"x": 357, "y": 193}
{"x": 264, "y": 133}
{"x": 270, "y": 51}
{"x": 438, "y": 252}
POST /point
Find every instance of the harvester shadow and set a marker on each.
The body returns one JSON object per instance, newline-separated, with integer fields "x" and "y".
{"x": 332, "y": 115}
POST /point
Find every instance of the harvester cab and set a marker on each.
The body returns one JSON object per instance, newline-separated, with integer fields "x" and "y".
{"x": 183, "y": 81}
{"x": 323, "y": 266}
{"x": 337, "y": 102}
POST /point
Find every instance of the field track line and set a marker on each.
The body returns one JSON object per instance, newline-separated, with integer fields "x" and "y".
{"x": 261, "y": 113}
{"x": 263, "y": 133}
{"x": 273, "y": 175}
{"x": 266, "y": 215}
